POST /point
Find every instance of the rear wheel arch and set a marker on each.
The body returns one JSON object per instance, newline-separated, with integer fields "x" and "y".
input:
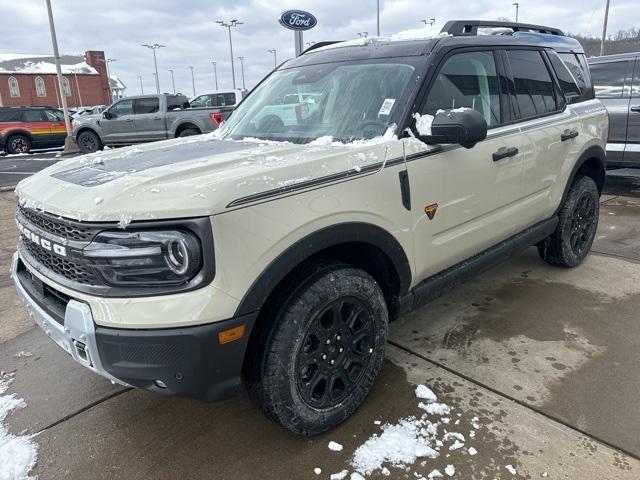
{"x": 592, "y": 163}
{"x": 186, "y": 126}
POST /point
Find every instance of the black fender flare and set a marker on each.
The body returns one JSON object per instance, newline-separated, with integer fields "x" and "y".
{"x": 593, "y": 152}
{"x": 184, "y": 126}
{"x": 315, "y": 242}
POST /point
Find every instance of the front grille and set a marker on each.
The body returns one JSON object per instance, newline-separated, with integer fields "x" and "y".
{"x": 73, "y": 271}
{"x": 57, "y": 226}
{"x": 48, "y": 298}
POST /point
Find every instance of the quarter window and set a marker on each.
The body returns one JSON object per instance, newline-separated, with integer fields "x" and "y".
{"x": 577, "y": 65}
{"x": 10, "y": 116}
{"x": 535, "y": 91}
{"x": 66, "y": 87}
{"x": 14, "y": 88}
{"x": 54, "y": 115}
{"x": 41, "y": 90}
{"x": 568, "y": 83}
{"x": 32, "y": 116}
{"x": 226, "y": 99}
{"x": 609, "y": 79}
{"x": 635, "y": 89}
{"x": 467, "y": 80}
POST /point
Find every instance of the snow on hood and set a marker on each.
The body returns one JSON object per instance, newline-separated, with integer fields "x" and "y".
{"x": 191, "y": 176}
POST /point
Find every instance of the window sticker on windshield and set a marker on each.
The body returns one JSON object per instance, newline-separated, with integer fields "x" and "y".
{"x": 386, "y": 107}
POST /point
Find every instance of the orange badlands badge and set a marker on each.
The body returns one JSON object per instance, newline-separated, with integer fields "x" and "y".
{"x": 430, "y": 210}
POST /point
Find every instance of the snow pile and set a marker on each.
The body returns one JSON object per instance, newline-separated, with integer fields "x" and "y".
{"x": 22, "y": 63}
{"x": 18, "y": 454}
{"x": 326, "y": 141}
{"x": 335, "y": 447}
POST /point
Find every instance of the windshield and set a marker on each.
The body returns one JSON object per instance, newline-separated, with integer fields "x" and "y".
{"x": 344, "y": 101}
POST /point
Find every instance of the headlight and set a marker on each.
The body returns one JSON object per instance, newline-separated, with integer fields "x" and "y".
{"x": 150, "y": 258}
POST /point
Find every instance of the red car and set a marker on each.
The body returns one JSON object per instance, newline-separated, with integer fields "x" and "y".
{"x": 24, "y": 128}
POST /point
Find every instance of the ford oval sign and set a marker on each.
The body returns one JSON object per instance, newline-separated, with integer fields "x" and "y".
{"x": 297, "y": 20}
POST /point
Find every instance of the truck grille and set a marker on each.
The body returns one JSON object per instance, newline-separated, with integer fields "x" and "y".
{"x": 72, "y": 271}
{"x": 57, "y": 226}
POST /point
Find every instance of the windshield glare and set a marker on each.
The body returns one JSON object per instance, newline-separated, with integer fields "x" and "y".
{"x": 344, "y": 101}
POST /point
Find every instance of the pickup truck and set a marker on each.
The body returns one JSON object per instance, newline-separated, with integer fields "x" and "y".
{"x": 145, "y": 118}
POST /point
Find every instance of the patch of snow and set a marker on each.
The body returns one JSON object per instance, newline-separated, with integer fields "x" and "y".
{"x": 423, "y": 123}
{"x": 385, "y": 471}
{"x": 512, "y": 470}
{"x": 340, "y": 475}
{"x": 317, "y": 471}
{"x": 450, "y": 470}
{"x": 377, "y": 422}
{"x": 124, "y": 221}
{"x": 435, "y": 408}
{"x": 18, "y": 454}
{"x": 23, "y": 354}
{"x": 356, "y": 476}
{"x": 472, "y": 451}
{"x": 334, "y": 446}
{"x": 425, "y": 393}
{"x": 435, "y": 474}
{"x": 98, "y": 200}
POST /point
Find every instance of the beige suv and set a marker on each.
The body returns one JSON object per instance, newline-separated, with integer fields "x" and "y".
{"x": 275, "y": 253}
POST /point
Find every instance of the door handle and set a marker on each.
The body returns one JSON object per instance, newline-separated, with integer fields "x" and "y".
{"x": 505, "y": 152}
{"x": 635, "y": 109}
{"x": 129, "y": 120}
{"x": 568, "y": 135}
{"x": 157, "y": 118}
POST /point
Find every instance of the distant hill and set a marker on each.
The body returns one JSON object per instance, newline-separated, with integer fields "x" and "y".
{"x": 624, "y": 41}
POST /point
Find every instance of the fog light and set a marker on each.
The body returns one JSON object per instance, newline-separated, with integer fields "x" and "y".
{"x": 160, "y": 384}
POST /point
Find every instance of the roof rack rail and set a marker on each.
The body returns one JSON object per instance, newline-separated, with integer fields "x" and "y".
{"x": 459, "y": 28}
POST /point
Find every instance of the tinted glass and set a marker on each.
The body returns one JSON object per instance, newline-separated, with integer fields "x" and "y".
{"x": 609, "y": 78}
{"x": 635, "y": 89}
{"x": 535, "y": 91}
{"x": 32, "y": 116}
{"x": 568, "y": 83}
{"x": 10, "y": 116}
{"x": 467, "y": 80}
{"x": 147, "y": 105}
{"x": 54, "y": 115}
{"x": 226, "y": 99}
{"x": 577, "y": 65}
{"x": 125, "y": 107}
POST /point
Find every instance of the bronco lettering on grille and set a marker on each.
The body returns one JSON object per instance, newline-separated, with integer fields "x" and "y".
{"x": 42, "y": 242}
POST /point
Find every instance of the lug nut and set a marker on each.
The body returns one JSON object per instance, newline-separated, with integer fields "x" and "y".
{"x": 341, "y": 349}
{"x": 324, "y": 356}
{"x": 332, "y": 362}
{"x": 328, "y": 341}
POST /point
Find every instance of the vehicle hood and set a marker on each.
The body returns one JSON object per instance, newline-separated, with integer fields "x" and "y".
{"x": 192, "y": 176}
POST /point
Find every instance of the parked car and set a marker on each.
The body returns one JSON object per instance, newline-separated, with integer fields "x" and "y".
{"x": 616, "y": 79}
{"x": 24, "y": 128}
{"x": 289, "y": 110}
{"x": 144, "y": 118}
{"x": 278, "y": 256}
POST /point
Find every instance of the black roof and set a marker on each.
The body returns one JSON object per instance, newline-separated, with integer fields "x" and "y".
{"x": 465, "y": 34}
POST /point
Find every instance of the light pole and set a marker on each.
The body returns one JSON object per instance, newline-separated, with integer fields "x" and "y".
{"x": 155, "y": 47}
{"x": 69, "y": 142}
{"x": 193, "y": 82}
{"x": 75, "y": 74}
{"x": 141, "y": 87}
{"x": 378, "y": 18}
{"x": 517, "y": 5}
{"x": 173, "y": 82}
{"x": 242, "y": 69}
{"x": 604, "y": 28}
{"x": 107, "y": 62}
{"x": 228, "y": 25}
{"x": 275, "y": 57}
{"x": 215, "y": 73}
{"x": 430, "y": 22}
{"x": 363, "y": 34}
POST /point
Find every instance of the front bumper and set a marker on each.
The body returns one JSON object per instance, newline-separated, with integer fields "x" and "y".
{"x": 188, "y": 362}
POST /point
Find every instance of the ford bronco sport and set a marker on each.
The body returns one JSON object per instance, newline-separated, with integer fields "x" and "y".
{"x": 275, "y": 255}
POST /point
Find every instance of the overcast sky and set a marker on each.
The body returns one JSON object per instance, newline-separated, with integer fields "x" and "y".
{"x": 191, "y": 37}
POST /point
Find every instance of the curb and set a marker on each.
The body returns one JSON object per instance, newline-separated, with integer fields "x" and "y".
{"x": 9, "y": 188}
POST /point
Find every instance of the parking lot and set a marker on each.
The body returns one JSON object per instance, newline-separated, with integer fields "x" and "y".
{"x": 540, "y": 363}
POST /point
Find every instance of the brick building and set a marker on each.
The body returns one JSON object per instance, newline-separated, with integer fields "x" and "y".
{"x": 30, "y": 80}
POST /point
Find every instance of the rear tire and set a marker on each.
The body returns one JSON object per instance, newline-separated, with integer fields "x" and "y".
{"x": 89, "y": 142}
{"x": 316, "y": 362}
{"x": 188, "y": 132}
{"x": 578, "y": 221}
{"x": 18, "y": 144}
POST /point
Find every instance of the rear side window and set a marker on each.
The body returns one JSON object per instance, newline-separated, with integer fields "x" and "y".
{"x": 467, "y": 80}
{"x": 147, "y": 105}
{"x": 568, "y": 83}
{"x": 54, "y": 115}
{"x": 535, "y": 90}
{"x": 577, "y": 65}
{"x": 10, "y": 116}
{"x": 32, "y": 116}
{"x": 226, "y": 99}
{"x": 610, "y": 79}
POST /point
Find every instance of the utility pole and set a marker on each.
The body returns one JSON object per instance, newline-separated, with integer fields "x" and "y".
{"x": 155, "y": 47}
{"x": 517, "y": 5}
{"x": 363, "y": 34}
{"x": 107, "y": 62}
{"x": 215, "y": 73}
{"x": 75, "y": 74}
{"x": 430, "y": 22}
{"x": 242, "y": 67}
{"x": 141, "y": 87}
{"x": 173, "y": 82}
{"x": 69, "y": 142}
{"x": 193, "y": 82}
{"x": 604, "y": 28}
{"x": 228, "y": 25}
{"x": 275, "y": 57}
{"x": 378, "y": 18}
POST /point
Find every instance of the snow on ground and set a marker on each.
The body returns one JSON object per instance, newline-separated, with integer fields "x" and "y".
{"x": 335, "y": 447}
{"x": 18, "y": 454}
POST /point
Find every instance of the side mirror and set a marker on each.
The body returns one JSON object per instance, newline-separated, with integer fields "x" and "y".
{"x": 460, "y": 126}
{"x": 108, "y": 115}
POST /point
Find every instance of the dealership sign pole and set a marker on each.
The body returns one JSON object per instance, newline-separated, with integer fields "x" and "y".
{"x": 298, "y": 21}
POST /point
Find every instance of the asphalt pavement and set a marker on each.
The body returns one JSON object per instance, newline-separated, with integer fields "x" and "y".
{"x": 14, "y": 168}
{"x": 538, "y": 365}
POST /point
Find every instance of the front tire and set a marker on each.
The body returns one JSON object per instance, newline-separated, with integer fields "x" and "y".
{"x": 89, "y": 142}
{"x": 18, "y": 144}
{"x": 578, "y": 221}
{"x": 318, "y": 361}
